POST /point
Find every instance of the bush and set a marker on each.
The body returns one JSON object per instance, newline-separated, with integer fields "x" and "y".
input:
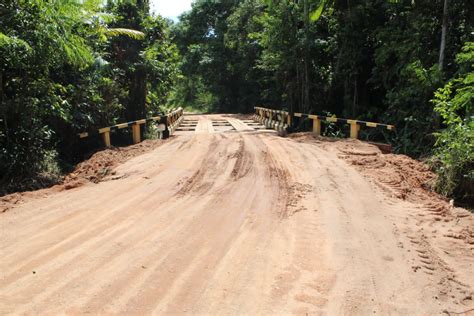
{"x": 453, "y": 158}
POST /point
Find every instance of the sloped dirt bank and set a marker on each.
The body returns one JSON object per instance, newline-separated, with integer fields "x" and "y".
{"x": 94, "y": 169}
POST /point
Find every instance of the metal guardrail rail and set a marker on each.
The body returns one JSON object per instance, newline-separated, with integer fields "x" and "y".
{"x": 170, "y": 121}
{"x": 281, "y": 120}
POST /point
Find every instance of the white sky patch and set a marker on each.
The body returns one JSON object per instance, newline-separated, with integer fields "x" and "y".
{"x": 170, "y": 8}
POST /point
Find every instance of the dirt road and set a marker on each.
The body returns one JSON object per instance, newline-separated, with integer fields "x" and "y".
{"x": 226, "y": 218}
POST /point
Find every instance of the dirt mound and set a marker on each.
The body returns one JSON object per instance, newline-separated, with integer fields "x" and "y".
{"x": 101, "y": 163}
{"x": 402, "y": 176}
{"x": 309, "y": 137}
{"x": 94, "y": 169}
{"x": 398, "y": 175}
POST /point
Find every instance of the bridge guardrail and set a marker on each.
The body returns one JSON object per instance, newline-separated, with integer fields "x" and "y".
{"x": 282, "y": 120}
{"x": 277, "y": 119}
{"x": 170, "y": 121}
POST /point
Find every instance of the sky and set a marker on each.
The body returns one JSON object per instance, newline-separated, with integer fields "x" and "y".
{"x": 170, "y": 8}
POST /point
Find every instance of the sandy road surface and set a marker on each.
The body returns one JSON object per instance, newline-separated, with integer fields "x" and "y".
{"x": 225, "y": 219}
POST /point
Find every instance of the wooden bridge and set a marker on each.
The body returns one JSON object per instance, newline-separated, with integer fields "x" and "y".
{"x": 262, "y": 119}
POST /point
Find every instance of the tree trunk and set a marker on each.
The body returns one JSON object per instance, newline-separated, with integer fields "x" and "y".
{"x": 306, "y": 57}
{"x": 354, "y": 100}
{"x": 4, "y": 110}
{"x": 302, "y": 107}
{"x": 137, "y": 95}
{"x": 299, "y": 87}
{"x": 444, "y": 29}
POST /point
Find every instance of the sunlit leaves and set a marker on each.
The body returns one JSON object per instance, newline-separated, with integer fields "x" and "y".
{"x": 110, "y": 32}
{"x": 316, "y": 14}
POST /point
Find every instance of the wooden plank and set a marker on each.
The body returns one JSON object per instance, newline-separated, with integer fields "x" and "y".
{"x": 238, "y": 125}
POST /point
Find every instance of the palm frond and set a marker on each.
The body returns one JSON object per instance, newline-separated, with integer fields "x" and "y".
{"x": 316, "y": 14}
{"x": 112, "y": 32}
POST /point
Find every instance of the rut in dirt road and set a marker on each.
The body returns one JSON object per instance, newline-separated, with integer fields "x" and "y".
{"x": 227, "y": 219}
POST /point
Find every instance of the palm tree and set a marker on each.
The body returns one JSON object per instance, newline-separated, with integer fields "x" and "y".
{"x": 67, "y": 23}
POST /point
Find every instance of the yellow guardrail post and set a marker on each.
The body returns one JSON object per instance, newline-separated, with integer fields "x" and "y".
{"x": 316, "y": 124}
{"x": 106, "y": 139}
{"x": 136, "y": 133}
{"x": 354, "y": 128}
{"x": 105, "y": 132}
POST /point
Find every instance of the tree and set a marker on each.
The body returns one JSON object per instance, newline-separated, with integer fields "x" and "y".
{"x": 444, "y": 29}
{"x": 39, "y": 41}
{"x": 60, "y": 75}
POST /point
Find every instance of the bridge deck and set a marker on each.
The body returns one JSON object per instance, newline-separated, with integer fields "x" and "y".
{"x": 213, "y": 123}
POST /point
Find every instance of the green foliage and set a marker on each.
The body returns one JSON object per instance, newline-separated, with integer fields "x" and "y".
{"x": 332, "y": 129}
{"x": 16, "y": 46}
{"x": 193, "y": 96}
{"x": 454, "y": 149}
{"x": 39, "y": 42}
{"x": 67, "y": 66}
{"x": 201, "y": 39}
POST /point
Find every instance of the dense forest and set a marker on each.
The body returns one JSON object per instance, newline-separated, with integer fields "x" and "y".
{"x": 68, "y": 66}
